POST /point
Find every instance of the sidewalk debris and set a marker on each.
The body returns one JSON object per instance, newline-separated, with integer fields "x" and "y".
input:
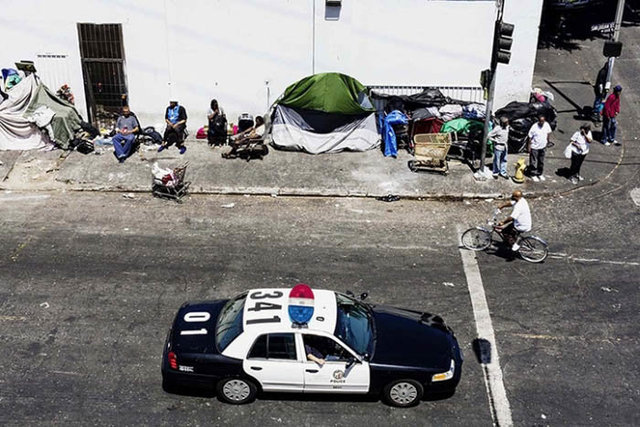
{"x": 44, "y": 305}
{"x": 388, "y": 198}
{"x": 607, "y": 289}
{"x": 228, "y": 205}
{"x": 448, "y": 284}
{"x": 129, "y": 196}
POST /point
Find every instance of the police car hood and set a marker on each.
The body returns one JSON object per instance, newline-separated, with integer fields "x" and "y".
{"x": 411, "y": 339}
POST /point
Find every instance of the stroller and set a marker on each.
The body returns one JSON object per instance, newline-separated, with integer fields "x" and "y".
{"x": 169, "y": 183}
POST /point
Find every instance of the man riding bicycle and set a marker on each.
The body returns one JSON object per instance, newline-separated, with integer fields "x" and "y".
{"x": 518, "y": 222}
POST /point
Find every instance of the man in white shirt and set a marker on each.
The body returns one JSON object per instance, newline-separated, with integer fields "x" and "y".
{"x": 519, "y": 221}
{"x": 538, "y": 138}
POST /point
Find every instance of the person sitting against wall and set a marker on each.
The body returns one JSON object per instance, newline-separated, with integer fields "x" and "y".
{"x": 123, "y": 141}
{"x": 255, "y": 132}
{"x": 217, "y": 133}
{"x": 176, "y": 119}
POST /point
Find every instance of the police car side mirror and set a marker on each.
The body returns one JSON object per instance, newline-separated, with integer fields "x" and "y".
{"x": 363, "y": 296}
{"x": 352, "y": 361}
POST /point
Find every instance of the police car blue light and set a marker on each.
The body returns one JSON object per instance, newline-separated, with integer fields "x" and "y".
{"x": 301, "y": 304}
{"x": 256, "y": 341}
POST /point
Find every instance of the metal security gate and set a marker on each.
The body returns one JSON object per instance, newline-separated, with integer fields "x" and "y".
{"x": 103, "y": 69}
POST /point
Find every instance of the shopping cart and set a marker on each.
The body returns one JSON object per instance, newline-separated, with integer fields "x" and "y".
{"x": 170, "y": 183}
{"x": 431, "y": 152}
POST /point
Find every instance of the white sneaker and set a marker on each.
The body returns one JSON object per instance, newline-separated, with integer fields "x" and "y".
{"x": 616, "y": 143}
{"x": 535, "y": 179}
{"x": 580, "y": 178}
{"x": 607, "y": 143}
{"x": 515, "y": 247}
{"x": 542, "y": 178}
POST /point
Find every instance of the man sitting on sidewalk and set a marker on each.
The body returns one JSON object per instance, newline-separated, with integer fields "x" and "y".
{"x": 126, "y": 127}
{"x": 256, "y": 132}
{"x": 176, "y": 119}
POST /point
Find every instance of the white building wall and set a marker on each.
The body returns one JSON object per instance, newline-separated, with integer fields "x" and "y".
{"x": 246, "y": 52}
{"x": 513, "y": 81}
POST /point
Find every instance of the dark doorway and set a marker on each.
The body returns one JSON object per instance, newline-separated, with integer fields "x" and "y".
{"x": 103, "y": 69}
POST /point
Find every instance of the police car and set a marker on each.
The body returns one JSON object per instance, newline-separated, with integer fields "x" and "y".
{"x": 309, "y": 341}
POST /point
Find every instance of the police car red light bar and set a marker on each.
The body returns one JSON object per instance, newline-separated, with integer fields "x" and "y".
{"x": 301, "y": 302}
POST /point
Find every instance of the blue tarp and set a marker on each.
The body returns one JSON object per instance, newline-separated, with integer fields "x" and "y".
{"x": 388, "y": 135}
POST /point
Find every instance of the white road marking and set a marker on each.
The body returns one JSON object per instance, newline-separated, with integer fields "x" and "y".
{"x": 560, "y": 255}
{"x": 500, "y": 408}
{"x": 635, "y": 196}
{"x": 13, "y": 198}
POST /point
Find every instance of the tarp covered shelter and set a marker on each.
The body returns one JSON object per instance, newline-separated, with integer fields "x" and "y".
{"x": 31, "y": 106}
{"x": 325, "y": 113}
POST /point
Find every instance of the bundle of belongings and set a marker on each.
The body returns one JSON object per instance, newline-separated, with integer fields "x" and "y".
{"x": 169, "y": 183}
{"x": 429, "y": 112}
{"x": 33, "y": 117}
{"x": 522, "y": 115}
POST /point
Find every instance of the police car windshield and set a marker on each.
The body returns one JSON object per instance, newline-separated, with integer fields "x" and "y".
{"x": 230, "y": 321}
{"x": 354, "y": 324}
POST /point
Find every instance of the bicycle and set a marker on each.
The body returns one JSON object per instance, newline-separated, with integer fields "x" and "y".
{"x": 532, "y": 248}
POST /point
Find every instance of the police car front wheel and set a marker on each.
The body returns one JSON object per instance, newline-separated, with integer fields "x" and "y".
{"x": 236, "y": 391}
{"x": 403, "y": 393}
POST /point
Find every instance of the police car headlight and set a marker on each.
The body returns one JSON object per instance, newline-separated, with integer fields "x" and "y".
{"x": 445, "y": 375}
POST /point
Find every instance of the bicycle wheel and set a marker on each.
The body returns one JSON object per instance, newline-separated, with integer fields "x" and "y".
{"x": 533, "y": 249}
{"x": 476, "y": 239}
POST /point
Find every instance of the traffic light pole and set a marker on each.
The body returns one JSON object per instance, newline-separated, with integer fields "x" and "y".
{"x": 483, "y": 173}
{"x": 616, "y": 35}
{"x": 487, "y": 121}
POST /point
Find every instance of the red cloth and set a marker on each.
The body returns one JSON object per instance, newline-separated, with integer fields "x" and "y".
{"x": 612, "y": 106}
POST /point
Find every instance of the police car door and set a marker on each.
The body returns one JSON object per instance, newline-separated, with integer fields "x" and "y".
{"x": 339, "y": 374}
{"x": 273, "y": 361}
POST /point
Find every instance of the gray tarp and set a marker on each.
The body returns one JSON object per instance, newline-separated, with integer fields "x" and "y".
{"x": 291, "y": 130}
{"x": 16, "y": 132}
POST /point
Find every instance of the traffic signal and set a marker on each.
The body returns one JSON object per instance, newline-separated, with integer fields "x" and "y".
{"x": 502, "y": 42}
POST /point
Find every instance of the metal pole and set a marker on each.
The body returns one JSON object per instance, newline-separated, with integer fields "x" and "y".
{"x": 616, "y": 35}
{"x": 489, "y": 105}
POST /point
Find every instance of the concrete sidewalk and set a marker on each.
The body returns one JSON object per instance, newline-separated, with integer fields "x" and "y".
{"x": 283, "y": 173}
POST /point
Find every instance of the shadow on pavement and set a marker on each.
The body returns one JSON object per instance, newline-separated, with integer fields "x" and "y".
{"x": 564, "y": 28}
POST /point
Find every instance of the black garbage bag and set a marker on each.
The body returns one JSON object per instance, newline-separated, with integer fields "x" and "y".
{"x": 516, "y": 110}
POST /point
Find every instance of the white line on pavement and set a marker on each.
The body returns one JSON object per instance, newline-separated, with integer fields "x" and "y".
{"x": 560, "y": 255}
{"x": 22, "y": 198}
{"x": 500, "y": 409}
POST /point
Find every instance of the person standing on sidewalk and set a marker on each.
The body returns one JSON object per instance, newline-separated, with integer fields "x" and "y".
{"x": 579, "y": 148}
{"x": 500, "y": 136}
{"x": 600, "y": 92}
{"x": 609, "y": 121}
{"x": 538, "y": 138}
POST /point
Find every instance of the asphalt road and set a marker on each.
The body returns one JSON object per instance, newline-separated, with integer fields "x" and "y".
{"x": 90, "y": 283}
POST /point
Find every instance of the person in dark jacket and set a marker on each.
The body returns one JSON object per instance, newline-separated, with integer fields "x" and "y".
{"x": 176, "y": 119}
{"x": 609, "y": 114}
{"x": 599, "y": 90}
{"x": 217, "y": 133}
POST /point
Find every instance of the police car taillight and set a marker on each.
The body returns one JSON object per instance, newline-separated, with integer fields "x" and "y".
{"x": 173, "y": 360}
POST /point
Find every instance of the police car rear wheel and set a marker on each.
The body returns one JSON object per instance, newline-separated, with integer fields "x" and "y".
{"x": 236, "y": 391}
{"x": 403, "y": 393}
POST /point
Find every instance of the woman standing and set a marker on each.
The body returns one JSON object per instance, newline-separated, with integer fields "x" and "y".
{"x": 579, "y": 148}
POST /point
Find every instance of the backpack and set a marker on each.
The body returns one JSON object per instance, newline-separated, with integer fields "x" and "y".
{"x": 218, "y": 125}
{"x": 152, "y": 133}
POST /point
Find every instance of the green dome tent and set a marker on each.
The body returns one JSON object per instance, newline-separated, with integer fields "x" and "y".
{"x": 323, "y": 113}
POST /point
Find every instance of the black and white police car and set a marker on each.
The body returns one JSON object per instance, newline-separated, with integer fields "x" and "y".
{"x": 309, "y": 341}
